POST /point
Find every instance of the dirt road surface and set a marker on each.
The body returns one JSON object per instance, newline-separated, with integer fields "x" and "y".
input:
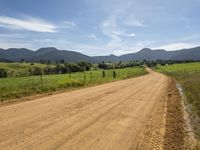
{"x": 121, "y": 115}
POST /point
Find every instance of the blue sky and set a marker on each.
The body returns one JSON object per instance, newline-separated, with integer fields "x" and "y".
{"x": 100, "y": 27}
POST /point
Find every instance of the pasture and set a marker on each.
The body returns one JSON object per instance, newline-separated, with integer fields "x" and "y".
{"x": 16, "y": 87}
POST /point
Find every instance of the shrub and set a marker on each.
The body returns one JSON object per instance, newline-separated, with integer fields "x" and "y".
{"x": 36, "y": 71}
{"x": 3, "y": 73}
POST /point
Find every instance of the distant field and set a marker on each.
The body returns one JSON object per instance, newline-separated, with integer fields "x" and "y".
{"x": 20, "y": 69}
{"x": 188, "y": 75}
{"x": 16, "y": 87}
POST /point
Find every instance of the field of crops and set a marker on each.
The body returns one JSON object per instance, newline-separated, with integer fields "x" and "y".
{"x": 188, "y": 75}
{"x": 16, "y": 87}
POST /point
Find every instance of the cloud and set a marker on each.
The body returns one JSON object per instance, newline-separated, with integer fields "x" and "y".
{"x": 11, "y": 35}
{"x": 15, "y": 43}
{"x": 177, "y": 46}
{"x": 43, "y": 40}
{"x": 27, "y": 23}
{"x": 69, "y": 24}
{"x": 111, "y": 28}
{"x": 119, "y": 24}
{"x": 130, "y": 20}
{"x": 130, "y": 34}
{"x": 93, "y": 36}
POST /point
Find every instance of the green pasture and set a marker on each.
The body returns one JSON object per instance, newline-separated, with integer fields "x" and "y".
{"x": 16, "y": 87}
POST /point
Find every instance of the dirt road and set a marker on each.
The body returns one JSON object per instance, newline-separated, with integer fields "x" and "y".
{"x": 122, "y": 115}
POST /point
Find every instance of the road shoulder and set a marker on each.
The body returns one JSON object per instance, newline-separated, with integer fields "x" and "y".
{"x": 176, "y": 132}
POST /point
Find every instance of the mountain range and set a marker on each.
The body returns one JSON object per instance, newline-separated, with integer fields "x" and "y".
{"x": 54, "y": 55}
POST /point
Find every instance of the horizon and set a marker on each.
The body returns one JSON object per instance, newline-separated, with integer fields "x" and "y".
{"x": 101, "y": 55}
{"x": 100, "y": 28}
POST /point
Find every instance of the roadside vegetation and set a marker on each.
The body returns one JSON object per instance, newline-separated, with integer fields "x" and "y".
{"x": 188, "y": 75}
{"x": 25, "y": 79}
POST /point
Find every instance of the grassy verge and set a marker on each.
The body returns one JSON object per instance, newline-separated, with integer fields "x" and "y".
{"x": 188, "y": 75}
{"x": 16, "y": 87}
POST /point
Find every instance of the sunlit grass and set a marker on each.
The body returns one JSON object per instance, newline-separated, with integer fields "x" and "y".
{"x": 16, "y": 87}
{"x": 188, "y": 75}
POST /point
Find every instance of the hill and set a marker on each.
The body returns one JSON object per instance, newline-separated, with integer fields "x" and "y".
{"x": 54, "y": 55}
{"x": 49, "y": 53}
{"x": 158, "y": 54}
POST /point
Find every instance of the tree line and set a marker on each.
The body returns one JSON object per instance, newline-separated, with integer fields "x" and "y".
{"x": 61, "y": 67}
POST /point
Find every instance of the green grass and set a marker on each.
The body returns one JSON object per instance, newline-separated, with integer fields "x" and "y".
{"x": 188, "y": 75}
{"x": 16, "y": 87}
{"x": 19, "y": 69}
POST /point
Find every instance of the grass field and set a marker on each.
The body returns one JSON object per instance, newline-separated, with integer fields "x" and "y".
{"x": 188, "y": 75}
{"x": 19, "y": 69}
{"x": 16, "y": 87}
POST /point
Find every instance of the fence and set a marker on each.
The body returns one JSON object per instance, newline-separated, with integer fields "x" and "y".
{"x": 15, "y": 87}
{"x": 92, "y": 76}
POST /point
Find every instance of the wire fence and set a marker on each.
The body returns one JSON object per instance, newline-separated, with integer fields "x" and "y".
{"x": 15, "y": 87}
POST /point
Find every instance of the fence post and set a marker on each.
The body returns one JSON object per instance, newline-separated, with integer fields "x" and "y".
{"x": 41, "y": 78}
{"x": 70, "y": 75}
{"x": 114, "y": 74}
{"x": 84, "y": 77}
{"x": 91, "y": 76}
{"x": 30, "y": 72}
{"x": 103, "y": 74}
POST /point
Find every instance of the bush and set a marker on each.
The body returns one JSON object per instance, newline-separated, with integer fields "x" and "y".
{"x": 49, "y": 70}
{"x": 3, "y": 73}
{"x": 36, "y": 71}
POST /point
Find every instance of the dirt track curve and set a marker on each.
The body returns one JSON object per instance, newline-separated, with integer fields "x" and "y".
{"x": 121, "y": 115}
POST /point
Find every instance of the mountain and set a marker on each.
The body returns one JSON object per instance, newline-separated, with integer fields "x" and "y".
{"x": 15, "y": 54}
{"x": 146, "y": 54}
{"x": 107, "y": 58}
{"x": 160, "y": 54}
{"x": 186, "y": 54}
{"x": 54, "y": 55}
{"x": 1, "y": 50}
{"x": 48, "y": 53}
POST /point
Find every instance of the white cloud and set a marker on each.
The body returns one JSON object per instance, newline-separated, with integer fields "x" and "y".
{"x": 130, "y": 20}
{"x": 27, "y": 23}
{"x": 11, "y": 35}
{"x": 5, "y": 44}
{"x": 120, "y": 52}
{"x": 43, "y": 40}
{"x": 130, "y": 34}
{"x": 118, "y": 25}
{"x": 115, "y": 32}
{"x": 69, "y": 24}
{"x": 93, "y": 36}
{"x": 178, "y": 46}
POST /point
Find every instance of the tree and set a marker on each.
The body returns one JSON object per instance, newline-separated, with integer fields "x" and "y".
{"x": 48, "y": 62}
{"x": 42, "y": 61}
{"x": 103, "y": 65}
{"x": 62, "y": 61}
{"x": 84, "y": 65}
{"x": 49, "y": 70}
{"x": 36, "y": 71}
{"x": 3, "y": 73}
{"x": 73, "y": 67}
{"x": 22, "y": 60}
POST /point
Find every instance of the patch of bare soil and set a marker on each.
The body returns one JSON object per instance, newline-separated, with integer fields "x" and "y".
{"x": 112, "y": 116}
{"x": 176, "y": 132}
{"x": 123, "y": 115}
